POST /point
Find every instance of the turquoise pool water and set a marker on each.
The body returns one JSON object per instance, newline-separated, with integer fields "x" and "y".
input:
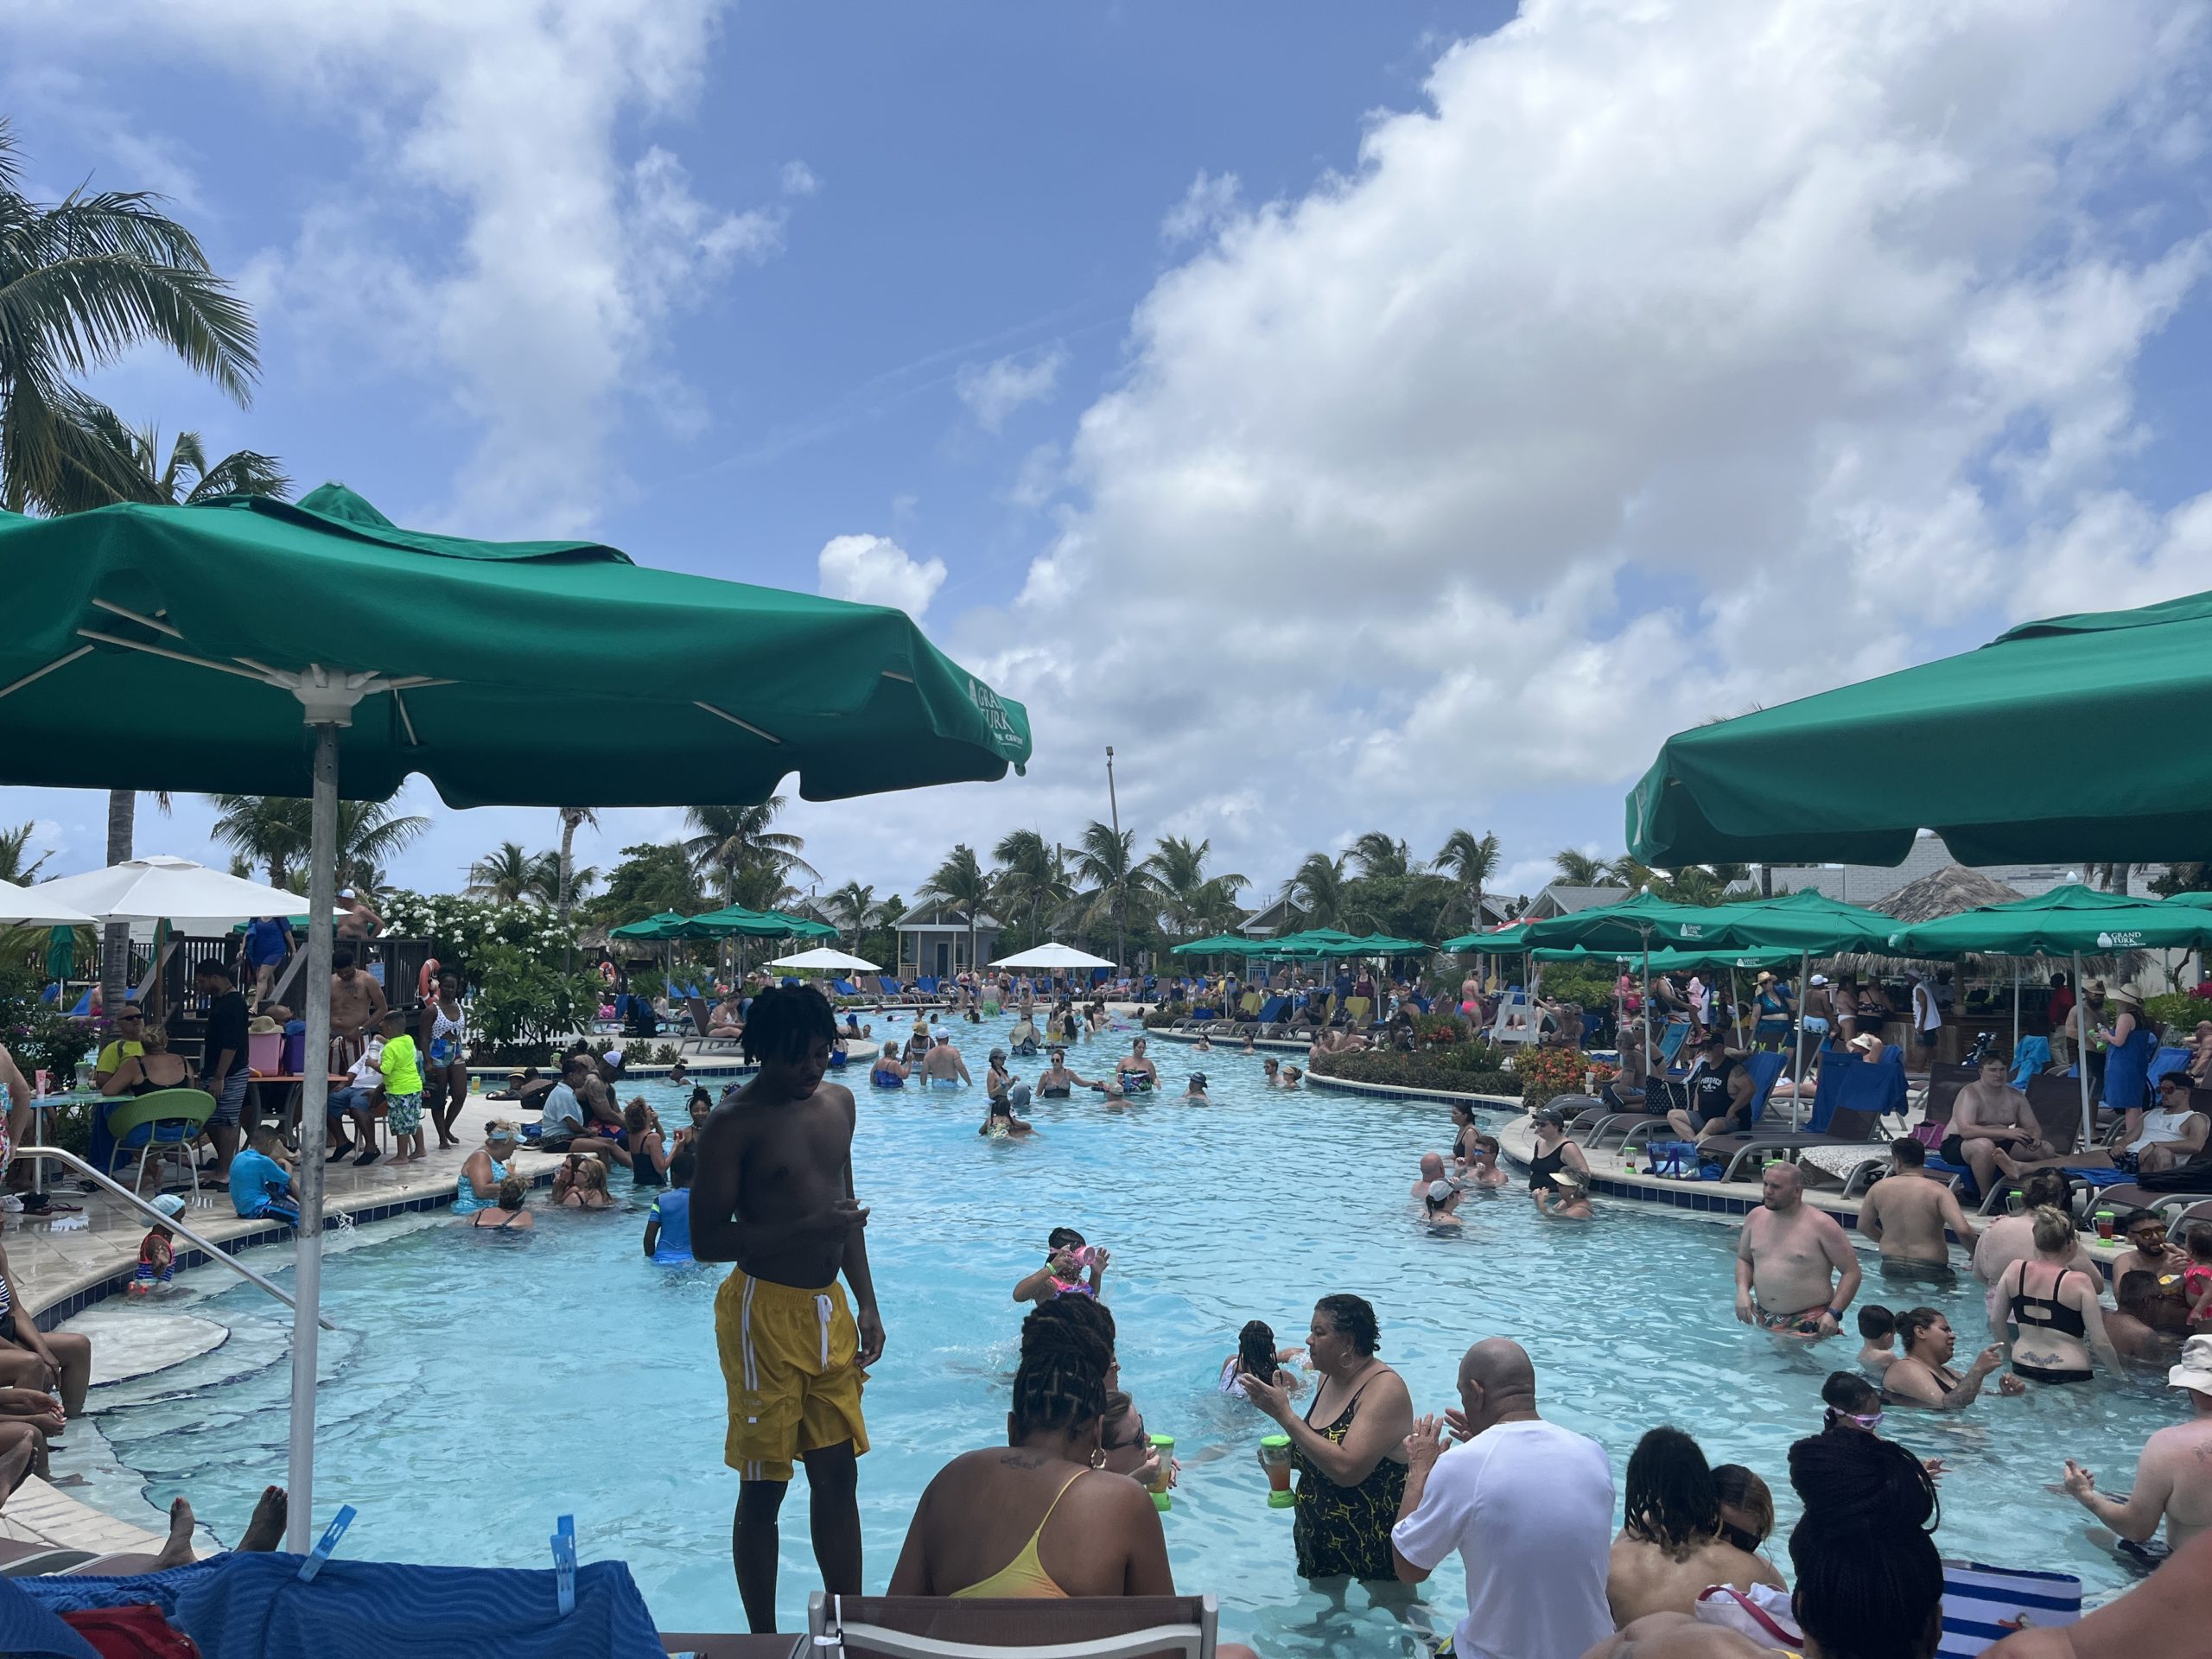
{"x": 484, "y": 1385}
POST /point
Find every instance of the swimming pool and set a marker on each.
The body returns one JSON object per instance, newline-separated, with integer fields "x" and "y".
{"x": 484, "y": 1385}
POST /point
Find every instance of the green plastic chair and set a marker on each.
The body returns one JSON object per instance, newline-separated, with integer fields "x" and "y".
{"x": 183, "y": 1113}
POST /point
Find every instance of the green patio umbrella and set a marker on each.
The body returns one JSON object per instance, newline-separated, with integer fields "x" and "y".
{"x": 2070, "y": 920}
{"x": 1498, "y": 942}
{"x": 256, "y": 646}
{"x": 737, "y": 919}
{"x": 2023, "y": 750}
{"x": 1219, "y": 944}
{"x": 61, "y": 953}
{"x": 668, "y": 924}
{"x": 802, "y": 927}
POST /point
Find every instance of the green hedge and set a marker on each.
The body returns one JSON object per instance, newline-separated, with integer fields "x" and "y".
{"x": 1461, "y": 1068}
{"x": 2177, "y": 1012}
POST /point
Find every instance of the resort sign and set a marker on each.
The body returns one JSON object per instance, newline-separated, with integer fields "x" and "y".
{"x": 2130, "y": 940}
{"x": 1005, "y": 736}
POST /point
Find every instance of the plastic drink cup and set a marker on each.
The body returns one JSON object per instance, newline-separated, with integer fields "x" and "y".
{"x": 1274, "y": 1458}
{"x": 2105, "y": 1222}
{"x": 1163, "y": 1447}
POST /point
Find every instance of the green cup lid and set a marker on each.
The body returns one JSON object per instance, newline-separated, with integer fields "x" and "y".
{"x": 1163, "y": 1441}
{"x": 1275, "y": 1440}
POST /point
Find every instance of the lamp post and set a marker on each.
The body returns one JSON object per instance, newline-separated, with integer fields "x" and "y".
{"x": 1121, "y": 879}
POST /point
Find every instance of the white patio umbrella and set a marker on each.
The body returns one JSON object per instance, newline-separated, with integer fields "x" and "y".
{"x": 826, "y": 960}
{"x": 1052, "y": 956}
{"x": 158, "y": 887}
{"x": 31, "y": 906}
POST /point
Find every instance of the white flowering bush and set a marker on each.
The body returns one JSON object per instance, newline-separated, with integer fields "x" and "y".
{"x": 460, "y": 928}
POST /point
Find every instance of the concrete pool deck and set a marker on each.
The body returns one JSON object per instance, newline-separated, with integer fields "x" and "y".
{"x": 59, "y": 1273}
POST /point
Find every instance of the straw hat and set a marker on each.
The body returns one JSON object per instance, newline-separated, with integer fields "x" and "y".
{"x": 2129, "y": 994}
{"x": 262, "y": 1025}
{"x": 1866, "y": 1042}
{"x": 2194, "y": 1370}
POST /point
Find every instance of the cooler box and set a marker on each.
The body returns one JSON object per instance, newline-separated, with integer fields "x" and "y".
{"x": 295, "y": 1048}
{"x": 265, "y": 1052}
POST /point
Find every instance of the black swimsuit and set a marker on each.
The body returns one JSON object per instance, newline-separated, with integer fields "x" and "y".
{"x": 1544, "y": 1166}
{"x": 2047, "y": 1313}
{"x": 1341, "y": 1531}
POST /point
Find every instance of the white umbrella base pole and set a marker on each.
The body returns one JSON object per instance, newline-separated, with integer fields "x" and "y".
{"x": 314, "y": 1099}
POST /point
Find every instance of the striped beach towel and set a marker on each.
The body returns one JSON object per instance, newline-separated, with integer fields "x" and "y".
{"x": 1982, "y": 1606}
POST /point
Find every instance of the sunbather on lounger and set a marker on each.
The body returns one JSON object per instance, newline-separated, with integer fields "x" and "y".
{"x": 1992, "y": 1128}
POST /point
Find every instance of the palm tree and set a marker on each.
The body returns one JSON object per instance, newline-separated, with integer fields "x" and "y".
{"x": 961, "y": 883}
{"x": 186, "y": 478}
{"x": 565, "y": 869}
{"x": 548, "y": 887}
{"x": 506, "y": 874}
{"x": 14, "y": 844}
{"x": 853, "y": 905}
{"x": 1191, "y": 900}
{"x": 1628, "y": 871}
{"x": 1378, "y": 855}
{"x": 1578, "y": 869}
{"x": 734, "y": 841}
{"x": 276, "y": 832}
{"x": 83, "y": 280}
{"x": 1471, "y": 860}
{"x": 1317, "y": 888}
{"x": 1032, "y": 874}
{"x": 1106, "y": 861}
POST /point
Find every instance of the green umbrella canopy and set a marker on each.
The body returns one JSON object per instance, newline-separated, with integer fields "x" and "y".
{"x": 804, "y": 927}
{"x": 736, "y": 918}
{"x": 61, "y": 952}
{"x": 1314, "y": 942}
{"x": 1791, "y": 783}
{"x": 1636, "y": 923}
{"x": 666, "y": 926}
{"x": 1380, "y": 944}
{"x": 2066, "y": 921}
{"x": 1807, "y": 921}
{"x": 1219, "y": 945}
{"x": 157, "y": 647}
{"x": 1499, "y": 942}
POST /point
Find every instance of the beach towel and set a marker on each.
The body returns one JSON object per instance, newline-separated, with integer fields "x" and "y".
{"x": 27, "y": 1627}
{"x": 254, "y": 1606}
{"x": 1982, "y": 1606}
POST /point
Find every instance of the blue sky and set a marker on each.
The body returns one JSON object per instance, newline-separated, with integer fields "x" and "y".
{"x": 1360, "y": 416}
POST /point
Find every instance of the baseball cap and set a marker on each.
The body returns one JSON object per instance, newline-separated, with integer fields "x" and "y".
{"x": 170, "y": 1204}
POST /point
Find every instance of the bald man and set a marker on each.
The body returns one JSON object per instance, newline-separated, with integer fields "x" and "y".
{"x": 1527, "y": 1504}
{"x": 1795, "y": 1272}
{"x": 1432, "y": 1170}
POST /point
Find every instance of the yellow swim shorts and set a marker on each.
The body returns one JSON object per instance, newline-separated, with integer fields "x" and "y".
{"x": 789, "y": 1359}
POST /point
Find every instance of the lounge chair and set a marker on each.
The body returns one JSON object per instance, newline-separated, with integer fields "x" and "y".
{"x": 1274, "y": 1011}
{"x": 2176, "y": 1208}
{"x": 1848, "y": 1107}
{"x": 844, "y": 988}
{"x": 1357, "y": 1009}
{"x": 702, "y": 1021}
{"x": 1762, "y": 1068}
{"x": 933, "y": 1627}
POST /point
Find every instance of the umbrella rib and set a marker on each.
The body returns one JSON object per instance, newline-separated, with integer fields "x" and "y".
{"x": 893, "y": 674}
{"x": 153, "y": 622}
{"x": 174, "y": 656}
{"x": 41, "y": 673}
{"x": 407, "y": 722}
{"x": 723, "y": 714}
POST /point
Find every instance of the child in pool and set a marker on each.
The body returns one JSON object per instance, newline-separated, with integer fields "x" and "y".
{"x": 1878, "y": 1326}
{"x": 157, "y": 1250}
{"x": 2196, "y": 1278}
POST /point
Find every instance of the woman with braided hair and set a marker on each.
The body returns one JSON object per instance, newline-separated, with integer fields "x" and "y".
{"x": 1040, "y": 1516}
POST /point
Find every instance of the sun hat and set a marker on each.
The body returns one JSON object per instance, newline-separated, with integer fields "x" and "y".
{"x": 262, "y": 1025}
{"x": 1866, "y": 1041}
{"x": 1568, "y": 1178}
{"x": 2194, "y": 1370}
{"x": 2128, "y": 993}
{"x": 170, "y": 1204}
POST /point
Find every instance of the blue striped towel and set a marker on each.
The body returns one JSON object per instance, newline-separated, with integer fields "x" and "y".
{"x": 242, "y": 1606}
{"x": 1982, "y": 1606}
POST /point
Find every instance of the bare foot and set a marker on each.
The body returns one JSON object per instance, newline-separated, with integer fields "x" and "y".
{"x": 177, "y": 1551}
{"x": 2010, "y": 1169}
{"x": 266, "y": 1531}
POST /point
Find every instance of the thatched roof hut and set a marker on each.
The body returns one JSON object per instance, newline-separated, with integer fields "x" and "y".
{"x": 1945, "y": 892}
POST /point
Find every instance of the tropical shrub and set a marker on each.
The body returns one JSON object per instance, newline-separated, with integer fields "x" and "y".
{"x": 2177, "y": 1012}
{"x": 39, "y": 1034}
{"x": 459, "y": 928}
{"x": 1167, "y": 1014}
{"x": 1465, "y": 1068}
{"x": 1547, "y": 1071}
{"x": 523, "y": 1001}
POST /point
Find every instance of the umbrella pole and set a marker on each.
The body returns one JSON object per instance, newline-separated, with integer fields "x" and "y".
{"x": 1647, "y": 1084}
{"x": 314, "y": 1098}
{"x": 1804, "y": 984}
{"x": 2016, "y": 1011}
{"x": 2082, "y": 1055}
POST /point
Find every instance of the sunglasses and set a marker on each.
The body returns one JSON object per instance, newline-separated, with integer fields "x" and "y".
{"x": 1742, "y": 1537}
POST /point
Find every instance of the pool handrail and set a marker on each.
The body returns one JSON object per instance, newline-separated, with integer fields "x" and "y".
{"x": 70, "y": 1161}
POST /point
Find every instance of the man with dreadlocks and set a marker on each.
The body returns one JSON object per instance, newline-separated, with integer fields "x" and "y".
{"x": 774, "y": 1194}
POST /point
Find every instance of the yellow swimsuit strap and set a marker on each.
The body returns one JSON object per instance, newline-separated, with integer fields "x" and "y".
{"x": 1025, "y": 1575}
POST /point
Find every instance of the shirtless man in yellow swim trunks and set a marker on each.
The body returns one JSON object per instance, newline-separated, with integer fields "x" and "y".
{"x": 774, "y": 1194}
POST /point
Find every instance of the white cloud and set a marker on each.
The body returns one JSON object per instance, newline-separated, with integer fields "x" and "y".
{"x": 1209, "y": 204}
{"x": 876, "y": 570}
{"x": 799, "y": 179}
{"x": 542, "y": 308}
{"x": 1668, "y": 359}
{"x": 1043, "y": 470}
{"x": 994, "y": 391}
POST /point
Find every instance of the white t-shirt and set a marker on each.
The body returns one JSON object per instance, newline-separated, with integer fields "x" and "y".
{"x": 1530, "y": 1508}
{"x": 1927, "y": 1016}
